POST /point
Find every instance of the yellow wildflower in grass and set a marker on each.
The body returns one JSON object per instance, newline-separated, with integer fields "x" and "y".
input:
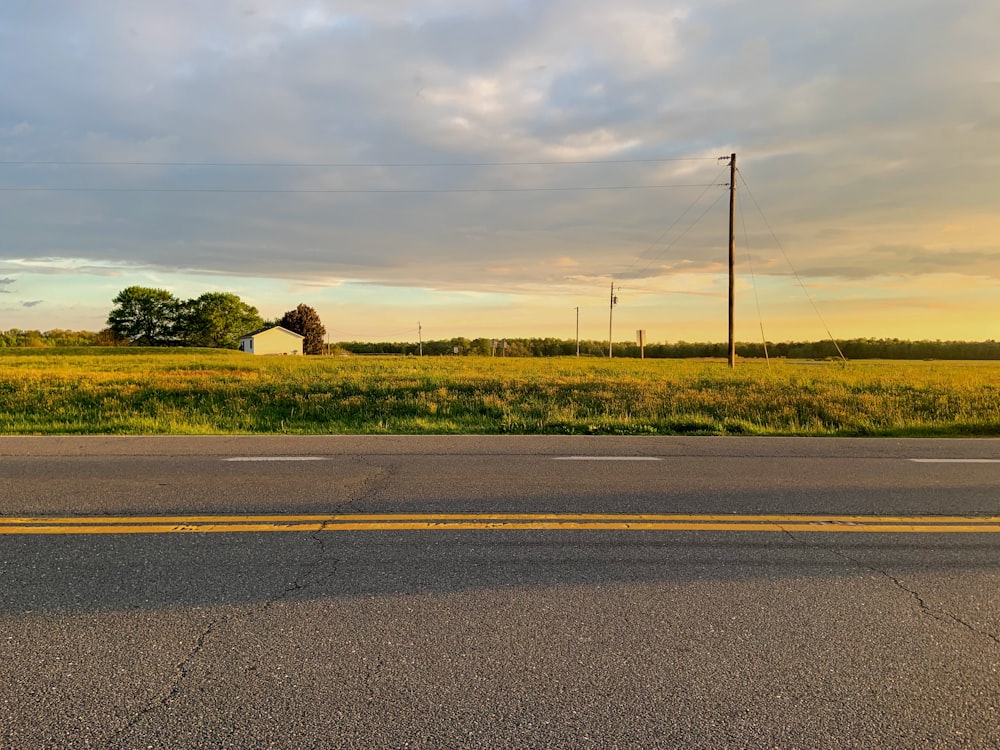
{"x": 203, "y": 391}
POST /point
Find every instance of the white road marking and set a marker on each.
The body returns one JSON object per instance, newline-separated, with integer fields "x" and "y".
{"x": 956, "y": 460}
{"x": 606, "y": 458}
{"x": 276, "y": 458}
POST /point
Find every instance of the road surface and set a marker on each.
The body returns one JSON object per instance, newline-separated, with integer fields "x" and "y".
{"x": 489, "y": 592}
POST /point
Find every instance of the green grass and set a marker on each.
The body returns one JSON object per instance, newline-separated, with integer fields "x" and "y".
{"x": 133, "y": 391}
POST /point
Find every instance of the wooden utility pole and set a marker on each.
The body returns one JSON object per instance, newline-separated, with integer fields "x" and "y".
{"x": 611, "y": 314}
{"x": 420, "y": 335}
{"x": 732, "y": 258}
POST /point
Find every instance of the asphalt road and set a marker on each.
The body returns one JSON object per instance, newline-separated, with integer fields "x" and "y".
{"x": 499, "y": 637}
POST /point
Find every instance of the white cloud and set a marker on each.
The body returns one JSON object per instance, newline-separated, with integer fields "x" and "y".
{"x": 862, "y": 128}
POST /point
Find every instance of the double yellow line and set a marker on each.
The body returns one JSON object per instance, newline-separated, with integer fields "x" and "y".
{"x": 490, "y": 521}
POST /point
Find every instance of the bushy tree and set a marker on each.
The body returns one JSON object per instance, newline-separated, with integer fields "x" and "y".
{"x": 305, "y": 321}
{"x": 107, "y": 337}
{"x": 144, "y": 316}
{"x": 217, "y": 319}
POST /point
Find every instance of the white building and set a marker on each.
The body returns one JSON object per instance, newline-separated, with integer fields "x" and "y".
{"x": 273, "y": 340}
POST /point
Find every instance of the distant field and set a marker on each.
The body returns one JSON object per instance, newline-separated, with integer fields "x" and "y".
{"x": 201, "y": 391}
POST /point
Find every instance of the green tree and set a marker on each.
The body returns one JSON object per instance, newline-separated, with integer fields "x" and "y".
{"x": 144, "y": 316}
{"x": 217, "y": 319}
{"x": 305, "y": 321}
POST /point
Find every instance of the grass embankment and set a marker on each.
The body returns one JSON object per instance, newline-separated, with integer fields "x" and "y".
{"x": 198, "y": 391}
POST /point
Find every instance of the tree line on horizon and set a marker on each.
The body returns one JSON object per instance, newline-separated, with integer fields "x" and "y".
{"x": 861, "y": 348}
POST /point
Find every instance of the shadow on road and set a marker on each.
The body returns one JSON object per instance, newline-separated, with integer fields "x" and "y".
{"x": 140, "y": 572}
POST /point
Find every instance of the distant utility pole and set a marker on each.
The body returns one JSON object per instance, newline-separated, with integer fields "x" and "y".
{"x": 614, "y": 301}
{"x": 420, "y": 336}
{"x": 578, "y": 331}
{"x": 732, "y": 258}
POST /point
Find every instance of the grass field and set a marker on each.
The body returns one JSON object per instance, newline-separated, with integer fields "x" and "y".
{"x": 200, "y": 391}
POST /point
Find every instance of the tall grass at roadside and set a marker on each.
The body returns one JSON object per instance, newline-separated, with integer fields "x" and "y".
{"x": 198, "y": 391}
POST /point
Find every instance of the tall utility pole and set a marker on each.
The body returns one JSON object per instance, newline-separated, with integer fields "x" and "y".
{"x": 732, "y": 257}
{"x": 420, "y": 336}
{"x": 611, "y": 315}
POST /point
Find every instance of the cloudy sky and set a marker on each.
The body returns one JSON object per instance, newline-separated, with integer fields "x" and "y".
{"x": 485, "y": 168}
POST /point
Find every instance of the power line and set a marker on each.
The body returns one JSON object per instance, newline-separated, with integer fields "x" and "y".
{"x": 753, "y": 278}
{"x": 345, "y": 165}
{"x": 676, "y": 221}
{"x": 794, "y": 272}
{"x": 679, "y": 237}
{"x": 383, "y": 335}
{"x": 321, "y": 191}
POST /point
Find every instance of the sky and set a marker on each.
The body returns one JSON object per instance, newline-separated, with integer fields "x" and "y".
{"x": 486, "y": 168}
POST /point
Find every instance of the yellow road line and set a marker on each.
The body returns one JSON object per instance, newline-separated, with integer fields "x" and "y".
{"x": 467, "y": 526}
{"x": 555, "y": 517}
{"x": 499, "y": 521}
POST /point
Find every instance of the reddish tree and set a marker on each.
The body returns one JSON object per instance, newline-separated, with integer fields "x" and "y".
{"x": 305, "y": 320}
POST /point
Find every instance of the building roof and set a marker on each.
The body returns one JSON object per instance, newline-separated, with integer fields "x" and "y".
{"x": 270, "y": 328}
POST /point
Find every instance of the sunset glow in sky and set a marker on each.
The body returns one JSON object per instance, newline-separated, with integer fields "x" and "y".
{"x": 486, "y": 167}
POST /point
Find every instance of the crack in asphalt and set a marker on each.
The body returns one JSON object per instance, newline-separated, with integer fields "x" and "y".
{"x": 183, "y": 668}
{"x": 377, "y": 482}
{"x": 937, "y": 614}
